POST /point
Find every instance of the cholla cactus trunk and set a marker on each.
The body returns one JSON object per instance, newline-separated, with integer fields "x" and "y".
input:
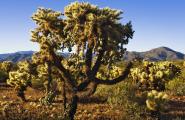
{"x": 64, "y": 95}
{"x": 20, "y": 93}
{"x": 155, "y": 114}
{"x": 48, "y": 86}
{"x": 71, "y": 109}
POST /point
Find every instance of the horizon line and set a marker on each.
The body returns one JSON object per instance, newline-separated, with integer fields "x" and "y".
{"x": 126, "y": 50}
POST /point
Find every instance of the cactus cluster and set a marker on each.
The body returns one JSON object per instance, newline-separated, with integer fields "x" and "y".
{"x": 151, "y": 78}
{"x": 155, "y": 100}
{"x": 6, "y": 66}
{"x": 21, "y": 78}
{"x": 112, "y": 73}
{"x": 154, "y": 75}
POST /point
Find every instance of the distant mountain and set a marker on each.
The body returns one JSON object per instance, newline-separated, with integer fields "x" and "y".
{"x": 20, "y": 56}
{"x": 17, "y": 56}
{"x": 157, "y": 54}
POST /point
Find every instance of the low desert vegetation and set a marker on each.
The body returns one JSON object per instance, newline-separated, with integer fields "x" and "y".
{"x": 127, "y": 99}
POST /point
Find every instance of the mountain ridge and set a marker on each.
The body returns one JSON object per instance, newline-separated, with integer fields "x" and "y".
{"x": 157, "y": 54}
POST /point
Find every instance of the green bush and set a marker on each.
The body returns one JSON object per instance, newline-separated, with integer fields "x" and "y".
{"x": 125, "y": 96}
{"x": 176, "y": 86}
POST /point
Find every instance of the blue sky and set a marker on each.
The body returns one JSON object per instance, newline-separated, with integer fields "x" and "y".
{"x": 156, "y": 22}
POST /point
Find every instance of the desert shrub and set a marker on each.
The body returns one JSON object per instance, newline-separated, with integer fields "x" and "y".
{"x": 38, "y": 84}
{"x": 183, "y": 73}
{"x": 3, "y": 76}
{"x": 124, "y": 95}
{"x": 176, "y": 86}
{"x": 115, "y": 94}
{"x": 48, "y": 99}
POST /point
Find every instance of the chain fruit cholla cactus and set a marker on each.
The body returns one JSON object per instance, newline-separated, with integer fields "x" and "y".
{"x": 21, "y": 78}
{"x": 94, "y": 35}
{"x": 45, "y": 73}
{"x": 112, "y": 73}
{"x": 155, "y": 100}
{"x": 152, "y": 77}
{"x": 6, "y": 66}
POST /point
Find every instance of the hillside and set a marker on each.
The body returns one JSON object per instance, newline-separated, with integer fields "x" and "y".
{"x": 157, "y": 54}
{"x": 17, "y": 56}
{"x": 21, "y": 55}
